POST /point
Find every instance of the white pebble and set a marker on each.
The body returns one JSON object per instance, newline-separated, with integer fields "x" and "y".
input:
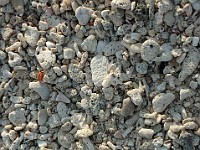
{"x": 146, "y": 133}
{"x": 68, "y": 53}
{"x": 161, "y": 101}
{"x": 41, "y": 88}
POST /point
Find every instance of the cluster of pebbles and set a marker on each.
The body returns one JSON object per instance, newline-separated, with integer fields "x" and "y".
{"x": 118, "y": 74}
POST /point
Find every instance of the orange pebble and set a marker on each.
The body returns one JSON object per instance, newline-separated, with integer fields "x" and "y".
{"x": 40, "y": 76}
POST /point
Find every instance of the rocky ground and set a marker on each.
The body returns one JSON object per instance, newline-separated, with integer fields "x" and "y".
{"x": 100, "y": 74}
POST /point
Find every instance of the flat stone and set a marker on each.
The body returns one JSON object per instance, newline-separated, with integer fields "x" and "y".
{"x": 41, "y": 88}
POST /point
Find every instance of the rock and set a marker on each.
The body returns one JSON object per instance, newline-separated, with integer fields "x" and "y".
{"x": 32, "y": 35}
{"x": 123, "y": 4}
{"x": 190, "y": 125}
{"x": 45, "y": 57}
{"x": 41, "y": 88}
{"x": 189, "y": 64}
{"x": 83, "y": 14}
{"x": 62, "y": 98}
{"x": 42, "y": 116}
{"x": 6, "y": 33}
{"x": 161, "y": 101}
{"x": 54, "y": 121}
{"x": 99, "y": 67}
{"x": 17, "y": 116}
{"x": 4, "y": 2}
{"x": 83, "y": 133}
{"x": 65, "y": 139}
{"x": 150, "y": 50}
{"x": 127, "y": 107}
{"x": 112, "y": 48}
{"x": 75, "y": 72}
{"x": 14, "y": 59}
{"x": 62, "y": 109}
{"x": 16, "y": 99}
{"x": 142, "y": 67}
{"x": 186, "y": 93}
{"x": 68, "y": 53}
{"x": 18, "y": 5}
{"x": 89, "y": 44}
{"x": 146, "y": 133}
{"x": 136, "y": 96}
{"x": 41, "y": 143}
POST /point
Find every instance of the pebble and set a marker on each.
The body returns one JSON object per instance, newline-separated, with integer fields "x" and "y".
{"x": 161, "y": 101}
{"x": 42, "y": 116}
{"x": 189, "y": 64}
{"x": 14, "y": 59}
{"x": 136, "y": 96}
{"x": 99, "y": 67}
{"x": 62, "y": 109}
{"x": 146, "y": 133}
{"x": 41, "y": 88}
{"x": 89, "y": 44}
{"x": 54, "y": 121}
{"x": 186, "y": 93}
{"x": 18, "y": 5}
{"x": 149, "y": 50}
{"x": 68, "y": 53}
{"x": 122, "y": 4}
{"x": 32, "y": 35}
{"x": 127, "y": 107}
{"x": 4, "y": 2}
{"x": 17, "y": 117}
{"x": 83, "y": 133}
{"x": 45, "y": 57}
{"x": 83, "y": 14}
{"x": 62, "y": 98}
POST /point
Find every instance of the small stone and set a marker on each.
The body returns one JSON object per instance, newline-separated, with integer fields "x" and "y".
{"x": 62, "y": 109}
{"x": 99, "y": 67}
{"x": 186, "y": 140}
{"x": 18, "y": 5}
{"x": 136, "y": 96}
{"x": 195, "y": 41}
{"x": 42, "y": 116}
{"x": 41, "y": 143}
{"x": 6, "y": 33}
{"x": 43, "y": 129}
{"x": 45, "y": 57}
{"x": 127, "y": 107}
{"x": 186, "y": 93}
{"x": 89, "y": 44}
{"x": 62, "y": 98}
{"x": 66, "y": 126}
{"x": 83, "y": 14}
{"x": 68, "y": 53}
{"x": 146, "y": 133}
{"x": 189, "y": 64}
{"x": 190, "y": 125}
{"x": 16, "y": 99}
{"x": 84, "y": 133}
{"x": 142, "y": 67}
{"x": 112, "y": 48}
{"x": 32, "y": 35}
{"x": 4, "y": 2}
{"x": 41, "y": 88}
{"x": 193, "y": 84}
{"x": 161, "y": 101}
{"x": 17, "y": 117}
{"x": 149, "y": 50}
{"x": 14, "y": 59}
{"x": 75, "y": 72}
{"x": 135, "y": 36}
{"x": 54, "y": 121}
{"x": 122, "y": 4}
